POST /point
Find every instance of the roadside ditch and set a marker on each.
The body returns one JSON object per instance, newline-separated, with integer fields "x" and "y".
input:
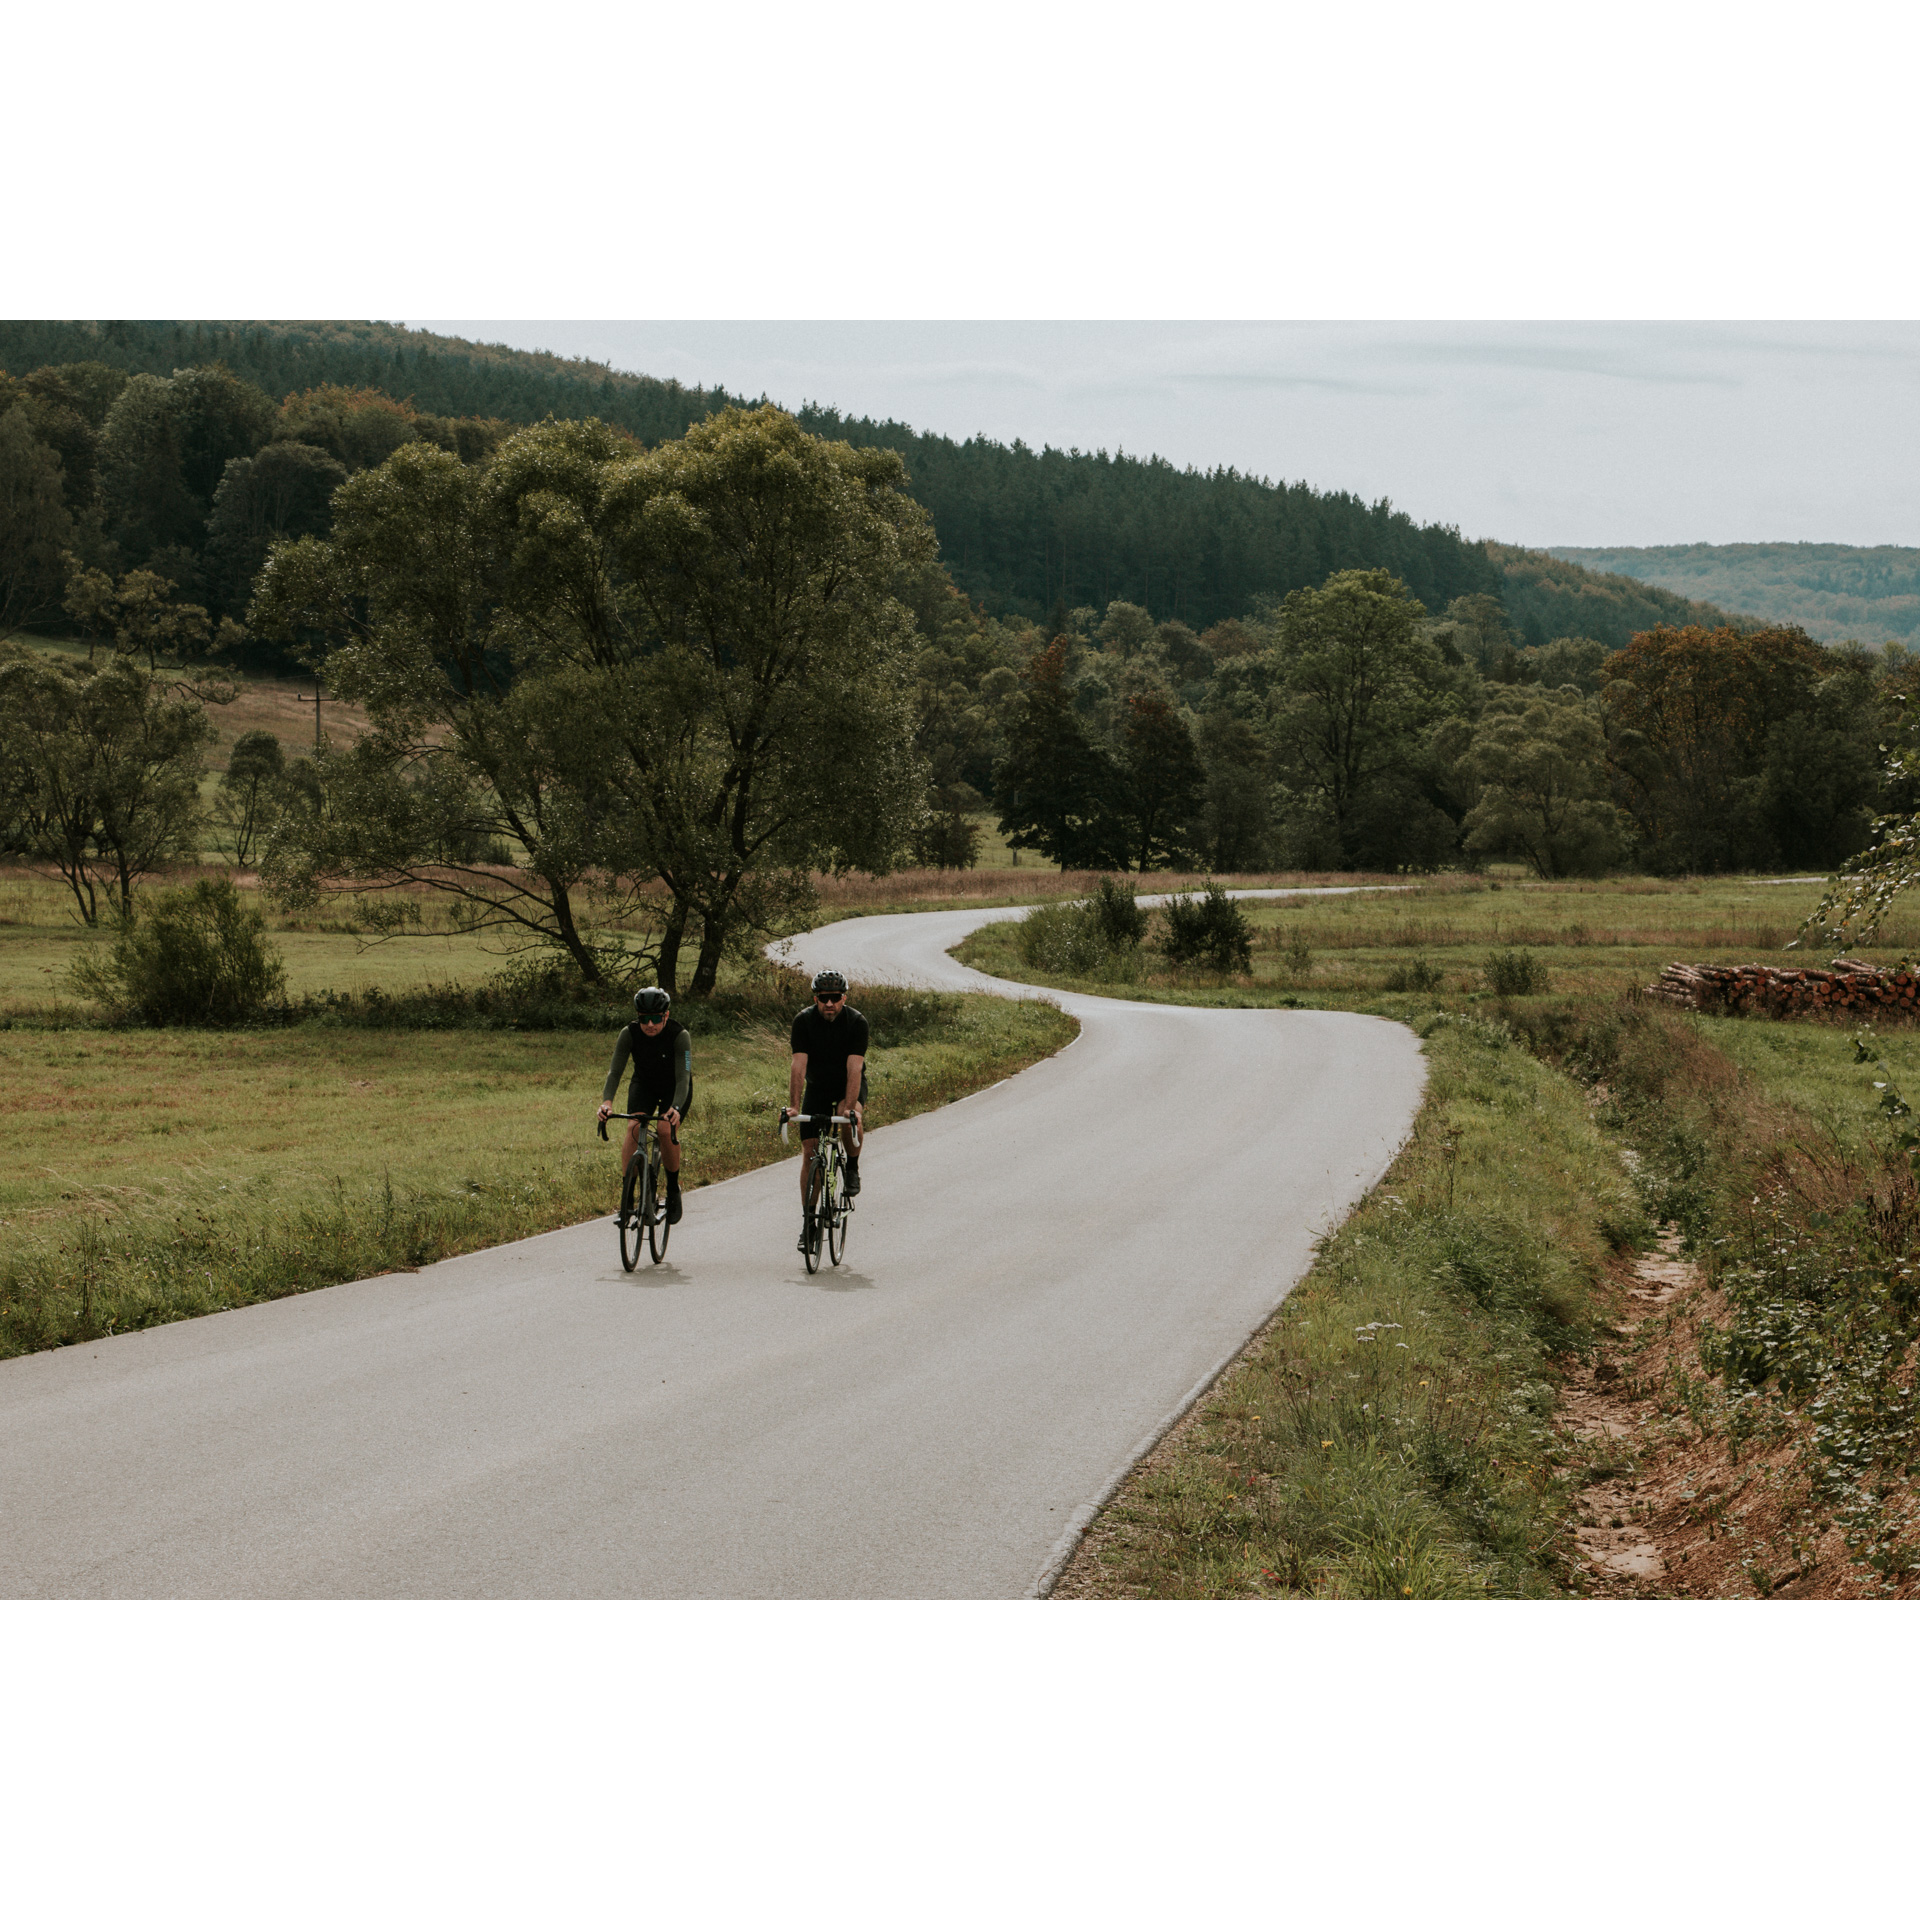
{"x": 1618, "y": 1324}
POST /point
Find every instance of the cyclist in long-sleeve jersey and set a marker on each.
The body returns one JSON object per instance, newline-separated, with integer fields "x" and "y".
{"x": 661, "y": 1051}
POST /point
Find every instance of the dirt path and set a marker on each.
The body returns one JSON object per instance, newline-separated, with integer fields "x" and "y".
{"x": 1675, "y": 1512}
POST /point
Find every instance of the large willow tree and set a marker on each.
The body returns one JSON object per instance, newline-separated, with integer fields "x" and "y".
{"x": 673, "y": 682}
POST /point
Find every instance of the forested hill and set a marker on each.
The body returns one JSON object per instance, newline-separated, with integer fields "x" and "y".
{"x": 1024, "y": 532}
{"x": 1548, "y": 596}
{"x": 439, "y": 375}
{"x": 1836, "y": 593}
{"x": 1021, "y": 531}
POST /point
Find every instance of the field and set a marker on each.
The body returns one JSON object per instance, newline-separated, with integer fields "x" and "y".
{"x": 148, "y": 1176}
{"x": 1527, "y": 1400}
{"x": 151, "y": 1175}
{"x": 1421, "y": 944}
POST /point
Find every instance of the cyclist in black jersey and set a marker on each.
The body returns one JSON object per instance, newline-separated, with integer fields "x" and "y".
{"x": 829, "y": 1073}
{"x": 661, "y": 1051}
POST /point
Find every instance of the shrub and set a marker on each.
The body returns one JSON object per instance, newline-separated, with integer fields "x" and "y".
{"x": 1516, "y": 971}
{"x": 1063, "y": 939}
{"x": 199, "y": 957}
{"x": 1416, "y": 976}
{"x": 1210, "y": 930}
{"x": 947, "y": 840}
{"x": 1298, "y": 955}
{"x": 1121, "y": 922}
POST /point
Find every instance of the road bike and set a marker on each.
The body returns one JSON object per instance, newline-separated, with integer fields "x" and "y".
{"x": 828, "y": 1204}
{"x": 643, "y": 1199}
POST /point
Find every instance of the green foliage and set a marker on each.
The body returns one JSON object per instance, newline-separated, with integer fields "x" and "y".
{"x": 102, "y": 772}
{"x": 247, "y": 801}
{"x": 1121, "y": 920}
{"x": 1066, "y": 938}
{"x": 1207, "y": 930}
{"x": 1022, "y": 530}
{"x": 198, "y": 956}
{"x": 450, "y": 1150}
{"x": 1060, "y": 791}
{"x": 1542, "y": 769}
{"x": 1413, "y": 976}
{"x": 1516, "y": 971}
{"x": 1693, "y": 716}
{"x": 1358, "y": 686}
{"x": 1834, "y": 593}
{"x": 598, "y": 669}
{"x": 35, "y": 525}
{"x": 948, "y": 840}
{"x": 1164, "y": 780}
{"x": 1547, "y": 598}
{"x": 1388, "y": 1436}
{"x": 283, "y": 492}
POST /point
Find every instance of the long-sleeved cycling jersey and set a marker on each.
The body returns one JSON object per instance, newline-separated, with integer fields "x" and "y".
{"x": 662, "y": 1067}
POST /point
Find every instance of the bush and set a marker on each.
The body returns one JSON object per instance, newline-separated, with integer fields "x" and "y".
{"x": 199, "y": 957}
{"x": 1063, "y": 939}
{"x": 948, "y": 840}
{"x": 1416, "y": 976}
{"x": 1121, "y": 921}
{"x": 1515, "y": 972}
{"x": 1210, "y": 930}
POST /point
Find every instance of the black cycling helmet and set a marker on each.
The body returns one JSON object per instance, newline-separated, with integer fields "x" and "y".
{"x": 652, "y": 1003}
{"x": 829, "y": 982}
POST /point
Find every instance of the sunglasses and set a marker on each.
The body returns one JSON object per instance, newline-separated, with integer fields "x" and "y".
{"x": 829, "y": 999}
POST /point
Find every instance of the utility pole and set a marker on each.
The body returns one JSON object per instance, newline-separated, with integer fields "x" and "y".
{"x": 302, "y": 698}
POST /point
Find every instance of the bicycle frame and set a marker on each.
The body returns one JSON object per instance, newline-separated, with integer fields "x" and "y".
{"x": 642, "y": 1204}
{"x": 828, "y": 1213}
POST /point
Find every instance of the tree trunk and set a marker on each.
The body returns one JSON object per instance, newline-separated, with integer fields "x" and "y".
{"x": 666, "y": 966}
{"x": 713, "y": 936}
{"x": 706, "y": 970}
{"x": 570, "y": 934}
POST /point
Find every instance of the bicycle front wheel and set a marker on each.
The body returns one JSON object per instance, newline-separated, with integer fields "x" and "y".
{"x": 836, "y": 1212}
{"x": 630, "y": 1228}
{"x": 657, "y": 1228}
{"x": 816, "y": 1210}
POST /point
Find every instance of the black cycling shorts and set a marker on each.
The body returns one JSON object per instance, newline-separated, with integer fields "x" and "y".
{"x": 657, "y": 1104}
{"x": 810, "y": 1118}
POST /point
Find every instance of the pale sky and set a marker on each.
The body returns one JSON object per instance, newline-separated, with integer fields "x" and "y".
{"x": 1580, "y": 433}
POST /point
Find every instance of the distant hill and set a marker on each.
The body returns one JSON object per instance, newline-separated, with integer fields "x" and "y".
{"x": 1549, "y": 597}
{"x": 1870, "y": 594}
{"x": 1021, "y": 530}
{"x": 436, "y": 373}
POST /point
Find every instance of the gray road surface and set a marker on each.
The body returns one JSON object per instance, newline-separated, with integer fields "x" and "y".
{"x": 1038, "y": 1278}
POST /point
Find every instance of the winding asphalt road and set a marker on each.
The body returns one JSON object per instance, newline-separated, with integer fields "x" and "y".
{"x": 1039, "y": 1279}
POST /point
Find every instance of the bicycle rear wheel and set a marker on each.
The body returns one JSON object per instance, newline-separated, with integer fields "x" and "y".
{"x": 816, "y": 1207}
{"x": 657, "y": 1228}
{"x": 630, "y": 1216}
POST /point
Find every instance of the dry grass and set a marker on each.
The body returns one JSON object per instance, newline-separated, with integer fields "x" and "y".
{"x": 151, "y": 1176}
{"x": 1385, "y": 1436}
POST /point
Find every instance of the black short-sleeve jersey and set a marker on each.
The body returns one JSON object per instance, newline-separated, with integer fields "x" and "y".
{"x": 827, "y": 1045}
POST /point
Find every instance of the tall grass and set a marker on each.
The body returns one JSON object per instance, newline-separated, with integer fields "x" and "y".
{"x": 1389, "y": 1436}
{"x": 152, "y": 1177}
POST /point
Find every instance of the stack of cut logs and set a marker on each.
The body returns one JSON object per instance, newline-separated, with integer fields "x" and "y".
{"x": 1847, "y": 987}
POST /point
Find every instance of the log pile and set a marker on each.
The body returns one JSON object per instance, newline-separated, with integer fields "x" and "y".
{"x": 1847, "y": 988}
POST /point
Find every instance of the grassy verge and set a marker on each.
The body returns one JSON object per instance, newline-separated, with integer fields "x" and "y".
{"x": 1782, "y": 1392}
{"x": 1771, "y": 1408}
{"x": 1405, "y": 954}
{"x": 1387, "y": 1435}
{"x": 148, "y": 1177}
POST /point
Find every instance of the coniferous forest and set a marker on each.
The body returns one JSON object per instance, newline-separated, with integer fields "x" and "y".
{"x": 1126, "y": 664}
